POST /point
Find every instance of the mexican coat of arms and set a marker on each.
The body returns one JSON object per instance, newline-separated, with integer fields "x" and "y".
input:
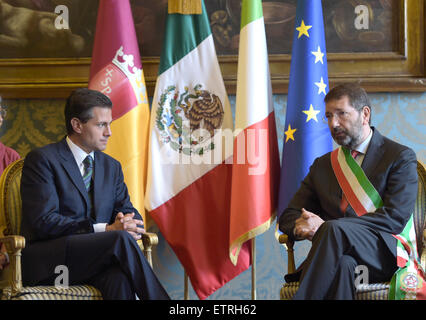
{"x": 180, "y": 115}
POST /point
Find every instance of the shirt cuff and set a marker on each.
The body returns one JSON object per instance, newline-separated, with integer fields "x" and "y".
{"x": 99, "y": 227}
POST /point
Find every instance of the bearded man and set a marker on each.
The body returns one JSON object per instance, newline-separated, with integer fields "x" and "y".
{"x": 328, "y": 210}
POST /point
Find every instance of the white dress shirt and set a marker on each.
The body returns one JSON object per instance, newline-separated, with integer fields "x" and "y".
{"x": 79, "y": 156}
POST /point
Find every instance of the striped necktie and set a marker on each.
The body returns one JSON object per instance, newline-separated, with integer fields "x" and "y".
{"x": 88, "y": 171}
{"x": 344, "y": 203}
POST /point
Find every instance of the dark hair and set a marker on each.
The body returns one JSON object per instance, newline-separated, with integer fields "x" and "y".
{"x": 357, "y": 96}
{"x": 80, "y": 104}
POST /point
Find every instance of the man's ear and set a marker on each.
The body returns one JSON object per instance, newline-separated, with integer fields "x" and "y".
{"x": 367, "y": 114}
{"x": 76, "y": 125}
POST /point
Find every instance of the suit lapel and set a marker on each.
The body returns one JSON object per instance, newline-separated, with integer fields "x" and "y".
{"x": 374, "y": 154}
{"x": 99, "y": 180}
{"x": 72, "y": 169}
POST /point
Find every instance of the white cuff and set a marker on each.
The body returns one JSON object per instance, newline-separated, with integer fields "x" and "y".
{"x": 99, "y": 227}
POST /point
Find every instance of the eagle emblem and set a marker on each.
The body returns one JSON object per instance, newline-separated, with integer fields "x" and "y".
{"x": 180, "y": 116}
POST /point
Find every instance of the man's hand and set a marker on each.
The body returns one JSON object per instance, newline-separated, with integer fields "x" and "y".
{"x": 126, "y": 222}
{"x": 306, "y": 226}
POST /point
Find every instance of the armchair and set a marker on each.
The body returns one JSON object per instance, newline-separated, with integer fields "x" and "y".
{"x": 373, "y": 291}
{"x": 10, "y": 222}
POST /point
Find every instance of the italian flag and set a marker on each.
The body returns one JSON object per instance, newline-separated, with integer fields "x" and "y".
{"x": 191, "y": 142}
{"x": 255, "y": 175}
{"x": 116, "y": 71}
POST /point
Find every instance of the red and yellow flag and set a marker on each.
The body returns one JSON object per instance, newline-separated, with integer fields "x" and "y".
{"x": 116, "y": 71}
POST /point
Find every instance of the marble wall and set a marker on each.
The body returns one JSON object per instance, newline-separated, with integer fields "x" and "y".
{"x": 399, "y": 116}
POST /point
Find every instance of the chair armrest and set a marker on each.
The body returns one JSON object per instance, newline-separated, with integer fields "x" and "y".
{"x": 146, "y": 243}
{"x": 285, "y": 240}
{"x": 10, "y": 276}
{"x": 149, "y": 239}
{"x": 13, "y": 243}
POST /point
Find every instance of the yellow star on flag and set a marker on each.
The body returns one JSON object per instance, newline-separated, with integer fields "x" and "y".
{"x": 318, "y": 55}
{"x": 303, "y": 29}
{"x": 311, "y": 113}
{"x": 289, "y": 133}
{"x": 321, "y": 86}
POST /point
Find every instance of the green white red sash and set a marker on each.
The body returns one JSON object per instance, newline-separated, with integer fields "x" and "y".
{"x": 360, "y": 193}
{"x": 408, "y": 281}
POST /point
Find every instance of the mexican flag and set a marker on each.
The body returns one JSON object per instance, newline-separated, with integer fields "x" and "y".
{"x": 255, "y": 175}
{"x": 116, "y": 71}
{"x": 191, "y": 142}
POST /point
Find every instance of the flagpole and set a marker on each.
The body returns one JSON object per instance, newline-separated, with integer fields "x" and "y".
{"x": 185, "y": 289}
{"x": 253, "y": 268}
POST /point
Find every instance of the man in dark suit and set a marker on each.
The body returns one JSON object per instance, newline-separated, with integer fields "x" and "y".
{"x": 342, "y": 240}
{"x": 76, "y": 210}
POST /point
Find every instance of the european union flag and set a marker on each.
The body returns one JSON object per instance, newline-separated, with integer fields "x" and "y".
{"x": 306, "y": 137}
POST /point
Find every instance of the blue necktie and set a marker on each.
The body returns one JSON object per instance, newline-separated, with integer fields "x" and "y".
{"x": 88, "y": 171}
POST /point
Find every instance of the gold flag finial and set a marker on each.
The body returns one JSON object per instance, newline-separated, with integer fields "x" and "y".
{"x": 185, "y": 6}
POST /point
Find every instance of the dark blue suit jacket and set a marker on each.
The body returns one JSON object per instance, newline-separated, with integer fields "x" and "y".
{"x": 55, "y": 205}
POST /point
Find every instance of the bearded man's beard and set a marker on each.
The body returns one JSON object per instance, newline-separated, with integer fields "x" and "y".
{"x": 348, "y": 138}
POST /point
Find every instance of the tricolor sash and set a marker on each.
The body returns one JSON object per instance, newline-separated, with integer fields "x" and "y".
{"x": 360, "y": 193}
{"x": 408, "y": 281}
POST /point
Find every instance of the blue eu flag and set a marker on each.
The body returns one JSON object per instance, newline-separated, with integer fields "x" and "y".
{"x": 306, "y": 136}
